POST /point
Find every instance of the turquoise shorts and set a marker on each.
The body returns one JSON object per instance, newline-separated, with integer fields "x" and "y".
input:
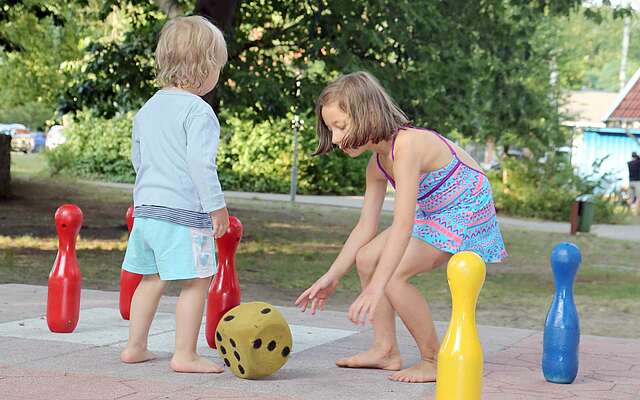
{"x": 173, "y": 251}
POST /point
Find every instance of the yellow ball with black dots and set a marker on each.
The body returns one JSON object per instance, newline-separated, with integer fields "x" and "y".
{"x": 254, "y": 340}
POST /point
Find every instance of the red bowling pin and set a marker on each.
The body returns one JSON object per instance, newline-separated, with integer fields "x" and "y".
{"x": 129, "y": 281}
{"x": 224, "y": 292}
{"x": 65, "y": 280}
{"x": 128, "y": 218}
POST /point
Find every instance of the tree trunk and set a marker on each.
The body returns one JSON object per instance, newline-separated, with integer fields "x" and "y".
{"x": 505, "y": 170}
{"x": 5, "y": 166}
{"x": 489, "y": 151}
{"x": 222, "y": 14}
{"x": 170, "y": 7}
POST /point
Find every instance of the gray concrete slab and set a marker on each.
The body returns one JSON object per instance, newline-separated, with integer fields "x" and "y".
{"x": 104, "y": 327}
{"x": 35, "y": 363}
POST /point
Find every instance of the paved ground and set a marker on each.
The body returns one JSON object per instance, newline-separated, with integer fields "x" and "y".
{"x": 624, "y": 232}
{"x": 37, "y": 364}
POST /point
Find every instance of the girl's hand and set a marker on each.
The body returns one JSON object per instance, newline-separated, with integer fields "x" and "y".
{"x": 220, "y": 221}
{"x": 317, "y": 293}
{"x": 365, "y": 304}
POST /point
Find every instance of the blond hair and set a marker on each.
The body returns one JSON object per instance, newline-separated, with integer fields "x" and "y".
{"x": 373, "y": 115}
{"x": 189, "y": 49}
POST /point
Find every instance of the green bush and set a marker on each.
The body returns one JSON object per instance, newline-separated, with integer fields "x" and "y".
{"x": 546, "y": 190}
{"x": 257, "y": 156}
{"x": 252, "y": 156}
{"x": 96, "y": 147}
{"x": 60, "y": 159}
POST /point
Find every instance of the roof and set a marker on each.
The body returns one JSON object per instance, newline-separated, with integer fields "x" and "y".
{"x": 627, "y": 106}
{"x": 586, "y": 108}
{"x": 615, "y": 131}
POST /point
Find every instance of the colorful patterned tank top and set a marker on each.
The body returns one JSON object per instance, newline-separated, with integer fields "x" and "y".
{"x": 455, "y": 210}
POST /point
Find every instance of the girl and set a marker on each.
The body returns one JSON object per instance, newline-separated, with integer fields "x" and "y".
{"x": 179, "y": 204}
{"x": 443, "y": 205}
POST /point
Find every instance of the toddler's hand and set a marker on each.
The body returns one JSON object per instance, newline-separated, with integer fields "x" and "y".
{"x": 220, "y": 220}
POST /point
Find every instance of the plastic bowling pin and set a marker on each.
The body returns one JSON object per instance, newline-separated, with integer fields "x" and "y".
{"x": 129, "y": 281}
{"x": 128, "y": 217}
{"x": 459, "y": 373}
{"x": 65, "y": 280}
{"x": 224, "y": 292}
{"x": 562, "y": 326}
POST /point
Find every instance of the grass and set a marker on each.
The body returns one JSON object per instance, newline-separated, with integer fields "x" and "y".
{"x": 286, "y": 247}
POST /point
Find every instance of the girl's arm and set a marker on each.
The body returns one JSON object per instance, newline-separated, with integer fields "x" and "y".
{"x": 135, "y": 147}
{"x": 202, "y": 139}
{"x": 366, "y": 228}
{"x": 406, "y": 170}
{"x": 361, "y": 234}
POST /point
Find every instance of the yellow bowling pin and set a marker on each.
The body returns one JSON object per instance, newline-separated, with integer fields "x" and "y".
{"x": 459, "y": 374}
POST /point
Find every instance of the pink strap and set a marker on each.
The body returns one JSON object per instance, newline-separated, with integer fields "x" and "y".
{"x": 381, "y": 168}
{"x": 393, "y": 146}
{"x": 393, "y": 149}
{"x": 453, "y": 151}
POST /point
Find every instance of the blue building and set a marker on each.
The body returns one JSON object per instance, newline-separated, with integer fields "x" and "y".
{"x": 612, "y": 146}
{"x": 606, "y": 129}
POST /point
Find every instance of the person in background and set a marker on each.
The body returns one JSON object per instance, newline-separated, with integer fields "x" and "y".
{"x": 634, "y": 180}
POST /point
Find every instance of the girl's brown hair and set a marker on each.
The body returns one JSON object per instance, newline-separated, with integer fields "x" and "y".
{"x": 373, "y": 115}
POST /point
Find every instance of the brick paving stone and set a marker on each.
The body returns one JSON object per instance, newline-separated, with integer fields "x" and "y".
{"x": 42, "y": 368}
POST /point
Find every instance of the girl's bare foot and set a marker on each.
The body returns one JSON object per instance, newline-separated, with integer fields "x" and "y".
{"x": 132, "y": 355}
{"x": 424, "y": 371}
{"x": 388, "y": 360}
{"x": 194, "y": 363}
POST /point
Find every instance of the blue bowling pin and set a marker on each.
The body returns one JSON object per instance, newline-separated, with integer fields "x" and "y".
{"x": 562, "y": 327}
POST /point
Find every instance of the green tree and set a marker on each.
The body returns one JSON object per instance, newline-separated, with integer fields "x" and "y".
{"x": 42, "y": 41}
{"x": 589, "y": 49}
{"x": 37, "y": 38}
{"x": 471, "y": 67}
{"x": 476, "y": 69}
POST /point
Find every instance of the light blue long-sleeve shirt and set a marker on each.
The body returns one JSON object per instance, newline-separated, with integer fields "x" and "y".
{"x": 174, "y": 146}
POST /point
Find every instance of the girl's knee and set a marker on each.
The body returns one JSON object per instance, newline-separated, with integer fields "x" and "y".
{"x": 395, "y": 285}
{"x": 365, "y": 264}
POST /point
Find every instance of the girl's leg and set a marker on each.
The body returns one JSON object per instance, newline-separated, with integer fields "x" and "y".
{"x": 413, "y": 308}
{"x": 143, "y": 308}
{"x": 384, "y": 353}
{"x": 188, "y": 320}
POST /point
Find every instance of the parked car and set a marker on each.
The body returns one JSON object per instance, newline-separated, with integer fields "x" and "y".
{"x": 22, "y": 141}
{"x": 10, "y": 129}
{"x": 21, "y": 137}
{"x": 55, "y": 137}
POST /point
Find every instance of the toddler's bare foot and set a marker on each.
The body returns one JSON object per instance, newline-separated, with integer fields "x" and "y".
{"x": 388, "y": 360}
{"x": 422, "y": 372}
{"x": 194, "y": 363}
{"x": 136, "y": 355}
